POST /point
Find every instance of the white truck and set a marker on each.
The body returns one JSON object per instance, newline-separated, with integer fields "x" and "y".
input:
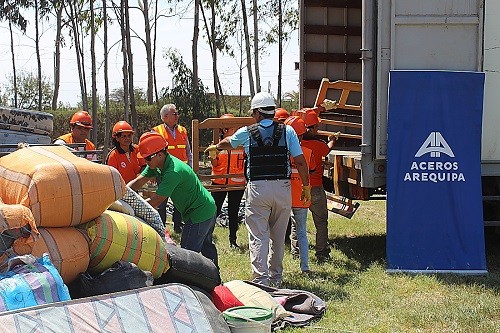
{"x": 354, "y": 44}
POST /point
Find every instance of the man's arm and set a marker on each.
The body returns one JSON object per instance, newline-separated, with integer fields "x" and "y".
{"x": 301, "y": 164}
{"x": 138, "y": 182}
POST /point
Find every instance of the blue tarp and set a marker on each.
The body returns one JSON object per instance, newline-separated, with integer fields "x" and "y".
{"x": 434, "y": 200}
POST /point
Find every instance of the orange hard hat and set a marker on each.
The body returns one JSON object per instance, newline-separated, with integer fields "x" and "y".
{"x": 150, "y": 143}
{"x": 81, "y": 118}
{"x": 297, "y": 124}
{"x": 122, "y": 126}
{"x": 281, "y": 114}
{"x": 311, "y": 118}
{"x": 227, "y": 115}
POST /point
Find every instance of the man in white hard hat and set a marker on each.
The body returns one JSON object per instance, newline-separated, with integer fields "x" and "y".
{"x": 268, "y": 146}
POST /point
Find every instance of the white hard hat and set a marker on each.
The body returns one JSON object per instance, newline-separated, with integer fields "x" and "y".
{"x": 262, "y": 100}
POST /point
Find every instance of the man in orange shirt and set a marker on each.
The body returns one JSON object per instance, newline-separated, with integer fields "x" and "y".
{"x": 178, "y": 146}
{"x": 318, "y": 206}
{"x": 80, "y": 124}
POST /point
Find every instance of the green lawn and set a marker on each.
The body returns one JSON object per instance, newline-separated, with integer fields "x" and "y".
{"x": 362, "y": 297}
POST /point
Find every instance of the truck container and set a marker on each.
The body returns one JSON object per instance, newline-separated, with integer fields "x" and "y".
{"x": 348, "y": 47}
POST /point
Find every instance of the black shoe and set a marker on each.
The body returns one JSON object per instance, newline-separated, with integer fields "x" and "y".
{"x": 323, "y": 258}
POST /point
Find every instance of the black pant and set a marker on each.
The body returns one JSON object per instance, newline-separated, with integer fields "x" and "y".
{"x": 233, "y": 207}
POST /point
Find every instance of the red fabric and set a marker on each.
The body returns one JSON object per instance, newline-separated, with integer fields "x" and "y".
{"x": 224, "y": 299}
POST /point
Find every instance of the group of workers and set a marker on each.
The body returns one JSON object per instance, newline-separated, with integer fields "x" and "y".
{"x": 280, "y": 157}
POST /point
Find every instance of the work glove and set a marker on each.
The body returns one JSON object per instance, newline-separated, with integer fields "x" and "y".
{"x": 329, "y": 104}
{"x": 334, "y": 136}
{"x": 212, "y": 151}
{"x": 305, "y": 196}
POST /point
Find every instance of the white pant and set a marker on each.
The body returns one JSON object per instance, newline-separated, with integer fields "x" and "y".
{"x": 267, "y": 210}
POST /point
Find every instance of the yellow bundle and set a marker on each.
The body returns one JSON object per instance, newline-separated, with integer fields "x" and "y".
{"x": 115, "y": 236}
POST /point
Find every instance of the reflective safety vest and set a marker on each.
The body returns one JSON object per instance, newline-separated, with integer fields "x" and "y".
{"x": 296, "y": 181}
{"x": 229, "y": 162}
{"x": 68, "y": 138}
{"x": 177, "y": 146}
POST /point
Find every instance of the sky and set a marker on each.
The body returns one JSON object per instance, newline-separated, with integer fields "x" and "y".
{"x": 172, "y": 32}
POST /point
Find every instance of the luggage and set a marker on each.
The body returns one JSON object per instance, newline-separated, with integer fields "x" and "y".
{"x": 119, "y": 277}
{"x": 169, "y": 308}
{"x": 191, "y": 268}
{"x": 30, "y": 281}
{"x": 143, "y": 210}
{"x": 60, "y": 188}
{"x": 68, "y": 249}
{"x": 115, "y": 236}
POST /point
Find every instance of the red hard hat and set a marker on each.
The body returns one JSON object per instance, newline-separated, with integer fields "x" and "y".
{"x": 281, "y": 114}
{"x": 311, "y": 118}
{"x": 227, "y": 115}
{"x": 81, "y": 118}
{"x": 122, "y": 126}
{"x": 297, "y": 124}
{"x": 150, "y": 143}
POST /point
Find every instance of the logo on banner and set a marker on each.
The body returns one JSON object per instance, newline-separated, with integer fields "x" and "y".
{"x": 435, "y": 144}
{"x": 434, "y": 170}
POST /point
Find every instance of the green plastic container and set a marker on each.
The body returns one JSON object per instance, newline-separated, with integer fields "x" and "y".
{"x": 249, "y": 319}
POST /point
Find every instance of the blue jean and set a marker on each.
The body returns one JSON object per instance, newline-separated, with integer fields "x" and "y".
{"x": 299, "y": 220}
{"x": 198, "y": 237}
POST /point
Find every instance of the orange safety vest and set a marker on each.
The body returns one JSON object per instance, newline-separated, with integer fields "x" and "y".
{"x": 128, "y": 166}
{"x": 177, "y": 146}
{"x": 296, "y": 181}
{"x": 68, "y": 138}
{"x": 231, "y": 163}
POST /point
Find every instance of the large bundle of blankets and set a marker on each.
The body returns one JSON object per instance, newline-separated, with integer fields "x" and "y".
{"x": 68, "y": 222}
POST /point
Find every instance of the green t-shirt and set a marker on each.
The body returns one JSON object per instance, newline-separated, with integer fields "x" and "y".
{"x": 179, "y": 182}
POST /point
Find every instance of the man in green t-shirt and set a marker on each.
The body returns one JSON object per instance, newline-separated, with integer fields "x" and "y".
{"x": 179, "y": 182}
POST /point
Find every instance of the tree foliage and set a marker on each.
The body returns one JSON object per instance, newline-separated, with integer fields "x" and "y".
{"x": 27, "y": 91}
{"x": 192, "y": 102}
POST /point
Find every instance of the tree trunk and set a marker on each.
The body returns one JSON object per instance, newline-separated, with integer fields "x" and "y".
{"x": 247, "y": 47}
{"x": 194, "y": 47}
{"x": 38, "y": 60}
{"x": 154, "y": 51}
{"x": 133, "y": 111}
{"x": 57, "y": 57}
{"x": 107, "y": 124}
{"x": 256, "y": 44}
{"x": 280, "y": 49}
{"x": 126, "y": 93}
{"x": 93, "y": 74}
{"x": 149, "y": 60}
{"x": 14, "y": 74}
{"x": 79, "y": 60}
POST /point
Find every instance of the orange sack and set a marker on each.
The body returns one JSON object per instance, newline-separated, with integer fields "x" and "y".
{"x": 60, "y": 188}
{"x": 68, "y": 249}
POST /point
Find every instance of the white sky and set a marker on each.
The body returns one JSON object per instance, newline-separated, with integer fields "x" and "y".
{"x": 172, "y": 32}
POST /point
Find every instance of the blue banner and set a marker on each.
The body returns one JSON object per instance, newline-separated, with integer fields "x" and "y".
{"x": 434, "y": 199}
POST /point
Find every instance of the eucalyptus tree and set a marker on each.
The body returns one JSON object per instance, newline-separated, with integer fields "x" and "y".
{"x": 10, "y": 12}
{"x": 74, "y": 10}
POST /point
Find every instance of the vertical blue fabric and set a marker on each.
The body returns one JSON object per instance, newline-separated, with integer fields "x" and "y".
{"x": 434, "y": 200}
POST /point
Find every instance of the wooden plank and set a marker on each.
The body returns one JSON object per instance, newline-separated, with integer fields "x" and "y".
{"x": 342, "y": 135}
{"x": 340, "y": 123}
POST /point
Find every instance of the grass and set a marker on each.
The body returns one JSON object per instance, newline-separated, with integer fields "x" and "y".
{"x": 362, "y": 297}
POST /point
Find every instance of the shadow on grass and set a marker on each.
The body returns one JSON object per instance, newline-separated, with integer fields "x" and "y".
{"x": 365, "y": 249}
